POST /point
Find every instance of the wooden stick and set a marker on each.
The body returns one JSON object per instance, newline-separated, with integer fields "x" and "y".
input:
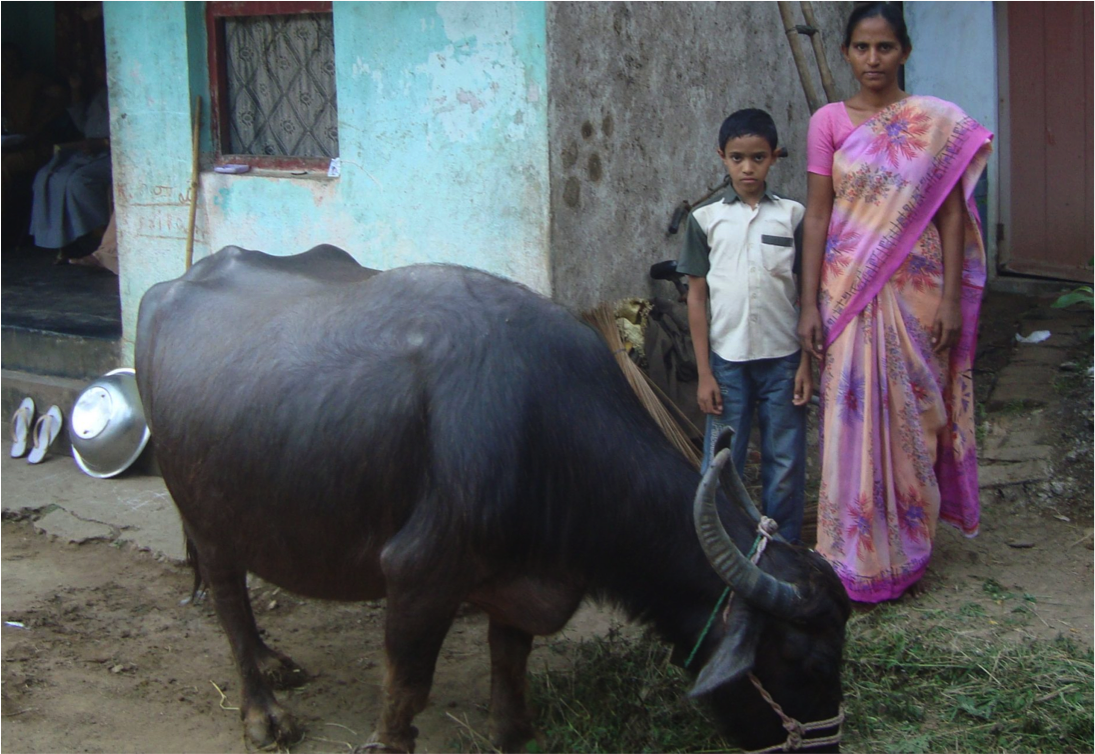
{"x": 791, "y": 33}
{"x": 193, "y": 181}
{"x": 819, "y": 52}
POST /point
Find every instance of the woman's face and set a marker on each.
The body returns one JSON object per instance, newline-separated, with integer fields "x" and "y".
{"x": 875, "y": 54}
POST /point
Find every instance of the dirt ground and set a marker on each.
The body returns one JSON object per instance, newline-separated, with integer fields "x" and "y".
{"x": 100, "y": 654}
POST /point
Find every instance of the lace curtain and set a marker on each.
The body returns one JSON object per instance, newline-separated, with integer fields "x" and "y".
{"x": 281, "y": 85}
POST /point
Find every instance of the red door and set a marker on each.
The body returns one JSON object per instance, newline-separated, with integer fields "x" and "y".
{"x": 1048, "y": 227}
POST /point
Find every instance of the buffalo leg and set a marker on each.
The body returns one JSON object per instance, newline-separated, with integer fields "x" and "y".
{"x": 415, "y": 628}
{"x": 511, "y": 721}
{"x": 264, "y": 720}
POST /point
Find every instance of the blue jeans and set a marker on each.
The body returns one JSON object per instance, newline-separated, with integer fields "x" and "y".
{"x": 768, "y": 385}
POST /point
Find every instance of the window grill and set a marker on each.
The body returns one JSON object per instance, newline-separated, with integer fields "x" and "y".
{"x": 280, "y": 77}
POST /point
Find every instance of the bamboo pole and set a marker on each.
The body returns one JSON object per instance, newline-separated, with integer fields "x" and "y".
{"x": 819, "y": 52}
{"x": 195, "y": 144}
{"x": 791, "y": 33}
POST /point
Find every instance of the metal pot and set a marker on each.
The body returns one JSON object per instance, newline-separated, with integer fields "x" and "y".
{"x": 107, "y": 426}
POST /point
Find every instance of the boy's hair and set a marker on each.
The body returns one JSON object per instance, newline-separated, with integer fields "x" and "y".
{"x": 749, "y": 122}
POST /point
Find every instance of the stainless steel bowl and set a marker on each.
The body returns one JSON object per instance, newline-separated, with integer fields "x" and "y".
{"x": 107, "y": 426}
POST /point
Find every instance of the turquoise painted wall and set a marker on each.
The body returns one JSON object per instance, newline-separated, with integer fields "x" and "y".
{"x": 147, "y": 76}
{"x": 442, "y": 140}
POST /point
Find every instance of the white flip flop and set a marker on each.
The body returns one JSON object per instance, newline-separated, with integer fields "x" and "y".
{"x": 21, "y": 422}
{"x": 46, "y": 430}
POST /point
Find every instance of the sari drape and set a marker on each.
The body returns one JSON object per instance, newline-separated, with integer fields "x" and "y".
{"x": 898, "y": 444}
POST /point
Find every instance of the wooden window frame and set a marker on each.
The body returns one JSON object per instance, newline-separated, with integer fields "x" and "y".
{"x": 215, "y": 14}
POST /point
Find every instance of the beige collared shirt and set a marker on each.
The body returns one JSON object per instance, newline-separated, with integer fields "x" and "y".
{"x": 747, "y": 255}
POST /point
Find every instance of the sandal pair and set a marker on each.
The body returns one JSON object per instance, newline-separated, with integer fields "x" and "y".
{"x": 41, "y": 433}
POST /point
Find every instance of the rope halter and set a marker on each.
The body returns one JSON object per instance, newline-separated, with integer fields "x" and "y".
{"x": 796, "y": 731}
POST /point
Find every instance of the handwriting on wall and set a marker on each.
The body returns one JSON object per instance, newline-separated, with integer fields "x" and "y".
{"x": 156, "y": 210}
{"x": 146, "y": 194}
{"x": 160, "y": 224}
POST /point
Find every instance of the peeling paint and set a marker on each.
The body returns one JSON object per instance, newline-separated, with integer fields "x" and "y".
{"x": 469, "y": 98}
{"x": 430, "y": 105}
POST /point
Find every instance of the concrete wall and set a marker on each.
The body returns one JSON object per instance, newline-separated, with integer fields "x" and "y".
{"x": 638, "y": 92}
{"x": 442, "y": 140}
{"x": 954, "y": 58}
{"x": 147, "y": 76}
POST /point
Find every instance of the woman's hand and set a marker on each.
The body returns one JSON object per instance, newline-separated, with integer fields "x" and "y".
{"x": 947, "y": 326}
{"x": 810, "y": 332}
{"x": 709, "y": 395}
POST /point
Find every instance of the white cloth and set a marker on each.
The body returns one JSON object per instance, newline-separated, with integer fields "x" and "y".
{"x": 72, "y": 191}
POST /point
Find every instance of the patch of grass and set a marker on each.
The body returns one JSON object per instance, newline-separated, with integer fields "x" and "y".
{"x": 915, "y": 681}
{"x": 950, "y": 691}
{"x": 1067, "y": 383}
{"x": 1071, "y": 382}
{"x": 621, "y": 695}
{"x": 979, "y": 430}
{"x": 618, "y": 694}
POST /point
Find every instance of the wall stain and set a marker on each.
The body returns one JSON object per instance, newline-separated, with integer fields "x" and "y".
{"x": 607, "y": 125}
{"x": 570, "y": 154}
{"x": 572, "y": 192}
{"x": 587, "y": 130}
{"x": 594, "y": 167}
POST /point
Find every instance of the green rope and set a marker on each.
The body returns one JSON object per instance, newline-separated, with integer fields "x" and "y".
{"x": 718, "y": 605}
{"x": 703, "y": 634}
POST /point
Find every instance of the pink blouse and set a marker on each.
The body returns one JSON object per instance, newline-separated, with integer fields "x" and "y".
{"x": 829, "y": 127}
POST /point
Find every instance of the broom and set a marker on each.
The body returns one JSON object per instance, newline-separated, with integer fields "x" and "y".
{"x": 603, "y": 319}
{"x": 654, "y": 400}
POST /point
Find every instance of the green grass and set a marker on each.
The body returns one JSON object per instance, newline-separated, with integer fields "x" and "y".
{"x": 915, "y": 680}
{"x": 916, "y": 684}
{"x": 1067, "y": 383}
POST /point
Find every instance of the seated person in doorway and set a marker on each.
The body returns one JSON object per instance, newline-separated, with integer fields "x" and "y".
{"x": 34, "y": 119}
{"x": 106, "y": 256}
{"x": 72, "y": 192}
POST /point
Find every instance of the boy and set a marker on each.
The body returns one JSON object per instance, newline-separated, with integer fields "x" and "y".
{"x": 740, "y": 252}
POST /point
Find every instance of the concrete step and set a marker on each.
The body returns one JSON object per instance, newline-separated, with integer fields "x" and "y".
{"x": 47, "y": 390}
{"x": 56, "y": 354}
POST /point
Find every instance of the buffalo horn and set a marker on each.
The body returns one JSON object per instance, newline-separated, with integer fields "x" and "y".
{"x": 761, "y": 589}
{"x": 731, "y": 481}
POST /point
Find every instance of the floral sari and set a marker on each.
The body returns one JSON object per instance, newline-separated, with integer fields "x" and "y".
{"x": 898, "y": 449}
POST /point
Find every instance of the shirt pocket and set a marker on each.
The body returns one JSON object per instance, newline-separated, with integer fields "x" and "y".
{"x": 777, "y": 252}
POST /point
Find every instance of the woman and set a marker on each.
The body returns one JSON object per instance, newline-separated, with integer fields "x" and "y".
{"x": 892, "y": 274}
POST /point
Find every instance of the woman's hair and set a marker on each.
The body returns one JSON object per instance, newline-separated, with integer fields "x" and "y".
{"x": 891, "y": 12}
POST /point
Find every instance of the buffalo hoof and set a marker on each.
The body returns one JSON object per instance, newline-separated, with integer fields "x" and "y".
{"x": 270, "y": 726}
{"x": 515, "y": 740}
{"x": 389, "y": 743}
{"x": 281, "y": 672}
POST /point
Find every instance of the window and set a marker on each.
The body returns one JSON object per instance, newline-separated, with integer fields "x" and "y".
{"x": 272, "y": 88}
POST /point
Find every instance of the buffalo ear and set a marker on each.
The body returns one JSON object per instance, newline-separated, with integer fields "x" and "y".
{"x": 735, "y": 655}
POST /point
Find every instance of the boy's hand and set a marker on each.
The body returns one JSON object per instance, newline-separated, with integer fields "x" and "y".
{"x": 804, "y": 381}
{"x": 709, "y": 395}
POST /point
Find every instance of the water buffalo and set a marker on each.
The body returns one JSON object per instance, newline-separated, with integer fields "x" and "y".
{"x": 436, "y": 435}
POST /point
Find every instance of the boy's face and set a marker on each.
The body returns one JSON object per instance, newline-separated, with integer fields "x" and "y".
{"x": 748, "y": 160}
